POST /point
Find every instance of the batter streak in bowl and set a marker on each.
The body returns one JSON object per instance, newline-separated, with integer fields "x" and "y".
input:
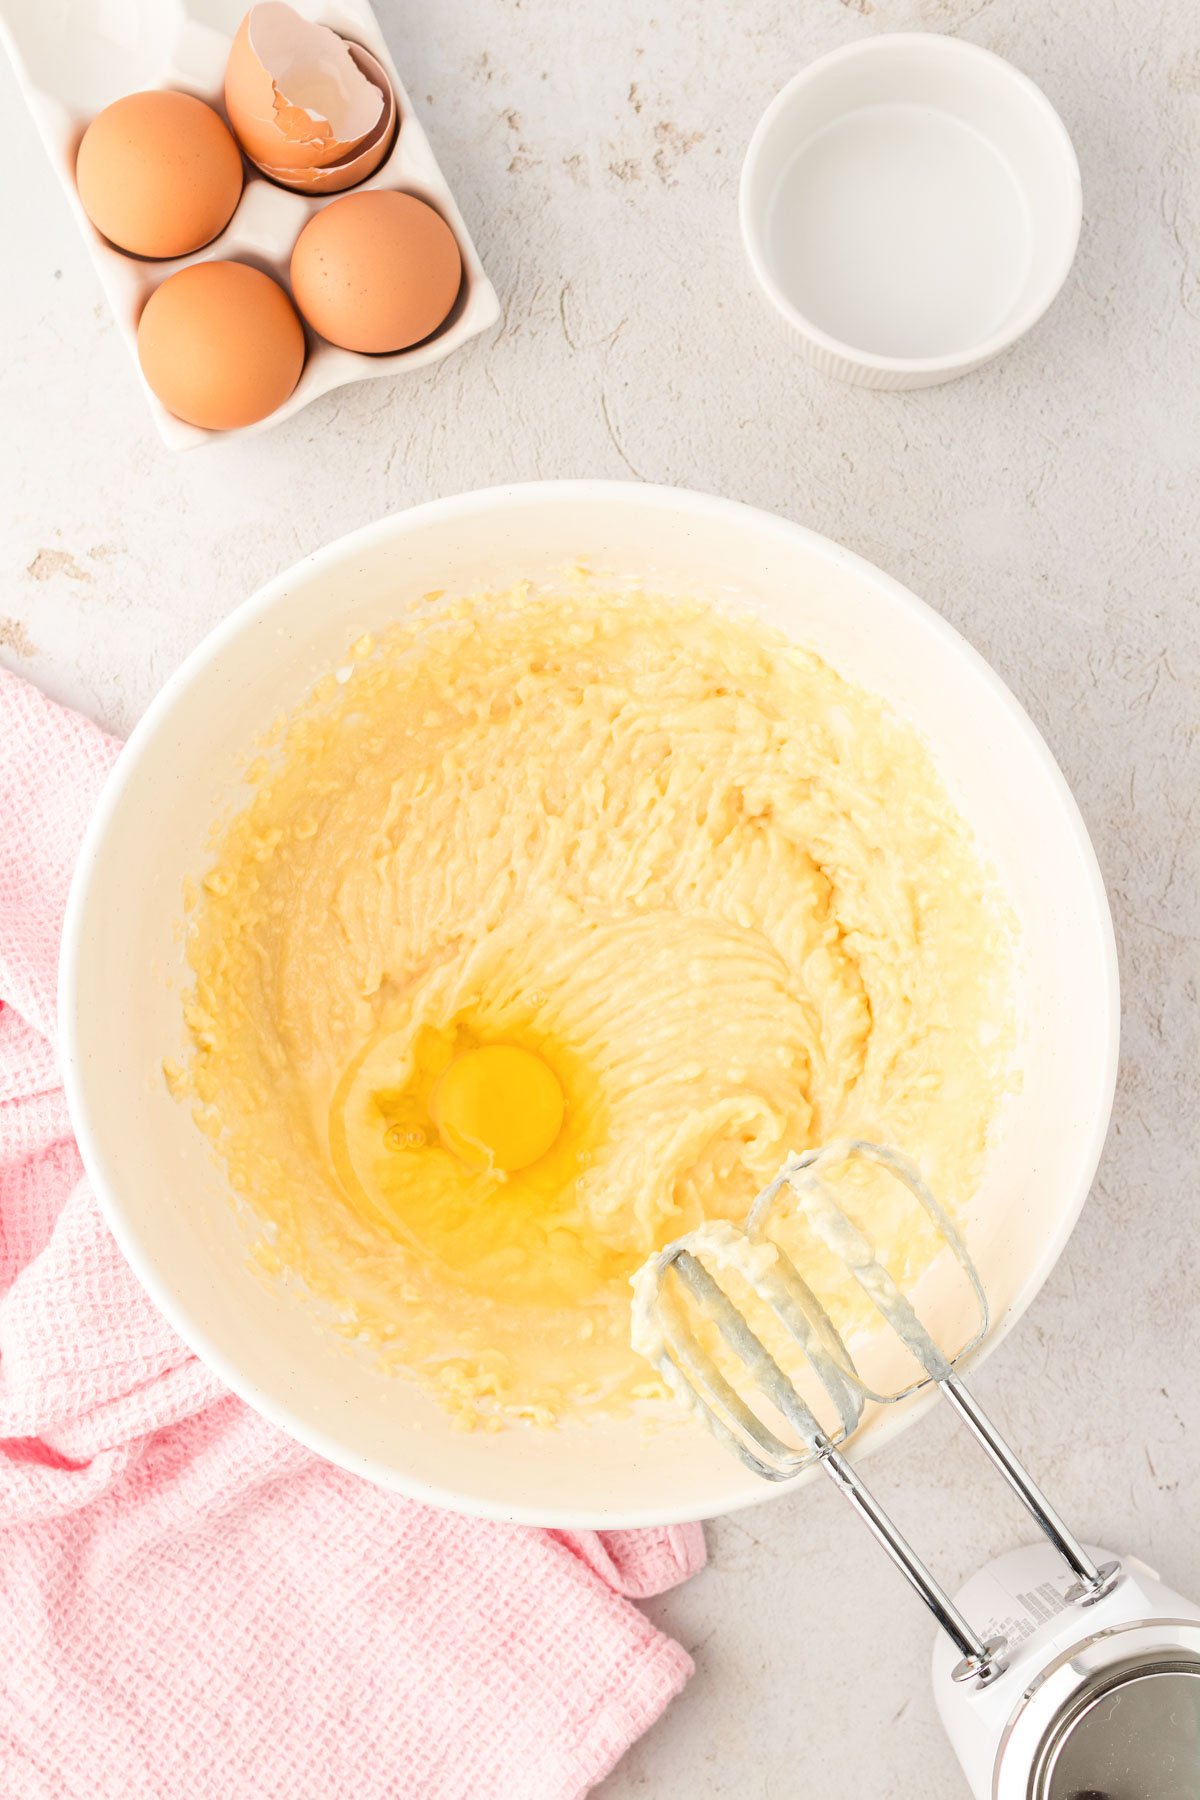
{"x": 550, "y": 928}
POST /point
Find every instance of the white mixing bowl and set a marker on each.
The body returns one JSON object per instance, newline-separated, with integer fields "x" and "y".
{"x": 122, "y": 965}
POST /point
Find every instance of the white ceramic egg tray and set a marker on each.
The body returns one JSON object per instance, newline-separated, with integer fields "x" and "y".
{"x": 73, "y": 59}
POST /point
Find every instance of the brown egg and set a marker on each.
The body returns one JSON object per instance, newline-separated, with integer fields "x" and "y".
{"x": 158, "y": 173}
{"x": 376, "y": 271}
{"x": 220, "y": 344}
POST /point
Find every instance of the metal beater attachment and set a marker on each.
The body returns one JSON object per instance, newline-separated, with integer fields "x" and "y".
{"x": 679, "y": 1300}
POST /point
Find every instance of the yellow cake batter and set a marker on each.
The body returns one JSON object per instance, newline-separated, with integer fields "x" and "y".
{"x": 552, "y": 924}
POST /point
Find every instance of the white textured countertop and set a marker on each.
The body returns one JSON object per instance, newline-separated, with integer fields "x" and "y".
{"x": 1049, "y": 506}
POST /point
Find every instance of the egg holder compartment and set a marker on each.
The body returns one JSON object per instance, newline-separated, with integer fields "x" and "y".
{"x": 72, "y": 61}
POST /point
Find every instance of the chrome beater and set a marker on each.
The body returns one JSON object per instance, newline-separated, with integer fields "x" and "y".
{"x": 664, "y": 1333}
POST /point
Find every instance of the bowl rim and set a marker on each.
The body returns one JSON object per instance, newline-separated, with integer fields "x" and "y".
{"x": 752, "y": 221}
{"x": 395, "y": 526}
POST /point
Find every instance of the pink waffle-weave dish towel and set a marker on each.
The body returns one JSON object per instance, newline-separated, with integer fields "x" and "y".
{"x": 192, "y": 1606}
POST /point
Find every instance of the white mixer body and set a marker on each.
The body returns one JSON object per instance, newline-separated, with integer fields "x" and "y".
{"x": 996, "y": 1730}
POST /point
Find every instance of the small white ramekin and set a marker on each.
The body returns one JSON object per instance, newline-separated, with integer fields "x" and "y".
{"x": 911, "y": 205}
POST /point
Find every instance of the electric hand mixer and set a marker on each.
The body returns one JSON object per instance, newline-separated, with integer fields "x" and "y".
{"x": 1083, "y": 1683}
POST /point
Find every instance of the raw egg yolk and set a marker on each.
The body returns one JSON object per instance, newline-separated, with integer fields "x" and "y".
{"x": 498, "y": 1106}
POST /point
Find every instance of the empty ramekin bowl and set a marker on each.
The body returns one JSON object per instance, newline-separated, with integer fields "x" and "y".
{"x": 911, "y": 205}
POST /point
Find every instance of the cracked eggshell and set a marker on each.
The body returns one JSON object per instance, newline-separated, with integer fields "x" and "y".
{"x": 334, "y": 178}
{"x": 300, "y": 99}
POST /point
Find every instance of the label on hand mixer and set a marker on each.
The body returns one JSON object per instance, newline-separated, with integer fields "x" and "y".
{"x": 1016, "y": 1615}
